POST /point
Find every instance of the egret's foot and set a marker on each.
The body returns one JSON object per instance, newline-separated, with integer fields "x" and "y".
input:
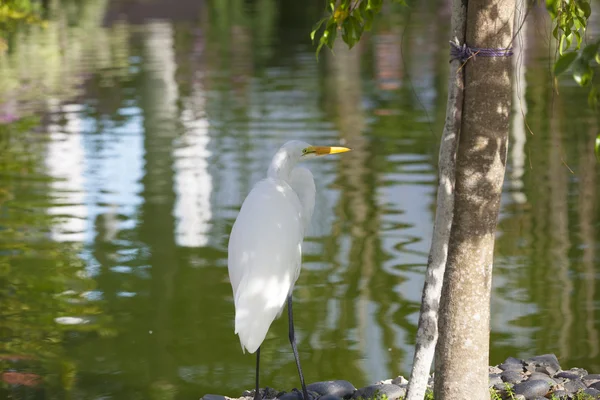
{"x": 257, "y": 395}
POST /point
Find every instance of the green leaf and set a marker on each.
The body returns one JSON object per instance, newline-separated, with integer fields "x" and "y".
{"x": 552, "y": 7}
{"x": 563, "y": 62}
{"x": 331, "y": 35}
{"x": 582, "y": 72}
{"x": 590, "y": 51}
{"x": 555, "y": 32}
{"x": 597, "y": 58}
{"x": 316, "y": 28}
{"x": 347, "y": 33}
{"x": 358, "y": 27}
{"x": 586, "y": 8}
{"x": 374, "y": 5}
{"x": 578, "y": 36}
{"x": 568, "y": 40}
{"x": 356, "y": 13}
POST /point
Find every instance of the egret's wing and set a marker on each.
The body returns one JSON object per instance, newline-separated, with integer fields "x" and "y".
{"x": 264, "y": 258}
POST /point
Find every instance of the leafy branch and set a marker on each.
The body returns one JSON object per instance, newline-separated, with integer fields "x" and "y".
{"x": 351, "y": 17}
{"x": 570, "y": 18}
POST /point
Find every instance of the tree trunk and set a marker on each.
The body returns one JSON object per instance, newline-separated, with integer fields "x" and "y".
{"x": 427, "y": 332}
{"x": 462, "y": 354}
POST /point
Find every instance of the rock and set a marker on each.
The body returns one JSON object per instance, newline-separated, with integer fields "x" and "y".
{"x": 338, "y": 388}
{"x": 547, "y": 369}
{"x": 266, "y": 393}
{"x": 213, "y": 397}
{"x": 512, "y": 360}
{"x": 494, "y": 370}
{"x": 511, "y": 367}
{"x": 377, "y": 391}
{"x": 503, "y": 386}
{"x": 578, "y": 371}
{"x": 330, "y": 397}
{"x": 591, "y": 378}
{"x": 512, "y": 376}
{"x": 592, "y": 392}
{"x": 495, "y": 379}
{"x": 567, "y": 375}
{"x": 297, "y": 395}
{"x": 529, "y": 368}
{"x": 545, "y": 360}
{"x": 561, "y": 394}
{"x": 519, "y": 397}
{"x": 574, "y": 386}
{"x": 532, "y": 388}
{"x": 595, "y": 385}
{"x": 400, "y": 381}
{"x": 544, "y": 377}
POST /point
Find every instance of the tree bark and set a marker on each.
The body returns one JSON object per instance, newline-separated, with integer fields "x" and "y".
{"x": 462, "y": 354}
{"x": 427, "y": 333}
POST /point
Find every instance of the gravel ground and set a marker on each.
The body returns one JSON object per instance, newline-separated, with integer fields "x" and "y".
{"x": 537, "y": 378}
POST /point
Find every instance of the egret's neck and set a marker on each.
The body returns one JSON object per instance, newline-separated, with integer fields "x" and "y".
{"x": 281, "y": 165}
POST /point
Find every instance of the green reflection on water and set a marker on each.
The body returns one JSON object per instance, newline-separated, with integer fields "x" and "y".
{"x": 128, "y": 145}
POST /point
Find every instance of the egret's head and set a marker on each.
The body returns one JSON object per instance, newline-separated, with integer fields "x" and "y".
{"x": 292, "y": 152}
{"x": 315, "y": 151}
{"x": 298, "y": 150}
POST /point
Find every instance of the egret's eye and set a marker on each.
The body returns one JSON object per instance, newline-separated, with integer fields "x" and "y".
{"x": 304, "y": 151}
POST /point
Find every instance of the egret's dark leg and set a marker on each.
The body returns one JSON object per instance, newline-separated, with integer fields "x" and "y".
{"x": 257, "y": 393}
{"x": 295, "y": 349}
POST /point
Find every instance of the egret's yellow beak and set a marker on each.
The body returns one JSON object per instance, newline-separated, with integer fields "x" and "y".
{"x": 324, "y": 150}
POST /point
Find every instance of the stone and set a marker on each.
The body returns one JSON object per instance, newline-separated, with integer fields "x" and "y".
{"x": 512, "y": 376}
{"x": 519, "y": 397}
{"x": 377, "y": 391}
{"x": 578, "y": 371}
{"x": 544, "y": 377}
{"x": 595, "y": 385}
{"x": 561, "y": 394}
{"x": 330, "y": 397}
{"x": 574, "y": 386}
{"x": 567, "y": 375}
{"x": 545, "y": 360}
{"x": 547, "y": 369}
{"x": 213, "y": 397}
{"x": 511, "y": 367}
{"x": 592, "y": 392}
{"x": 529, "y": 368}
{"x": 266, "y": 393}
{"x": 590, "y": 378}
{"x": 532, "y": 388}
{"x": 297, "y": 395}
{"x": 495, "y": 379}
{"x": 512, "y": 360}
{"x": 338, "y": 388}
{"x": 503, "y": 386}
{"x": 494, "y": 370}
{"x": 400, "y": 381}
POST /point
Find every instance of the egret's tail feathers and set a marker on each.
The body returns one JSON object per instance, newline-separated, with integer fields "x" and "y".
{"x": 255, "y": 311}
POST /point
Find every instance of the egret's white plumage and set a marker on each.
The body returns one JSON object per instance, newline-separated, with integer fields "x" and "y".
{"x": 265, "y": 246}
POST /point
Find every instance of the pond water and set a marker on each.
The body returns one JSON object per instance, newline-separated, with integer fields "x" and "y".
{"x": 131, "y": 132}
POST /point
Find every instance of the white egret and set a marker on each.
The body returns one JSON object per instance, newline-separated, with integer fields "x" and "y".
{"x": 265, "y": 247}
